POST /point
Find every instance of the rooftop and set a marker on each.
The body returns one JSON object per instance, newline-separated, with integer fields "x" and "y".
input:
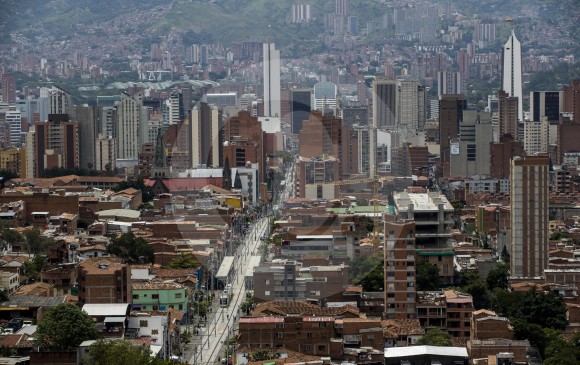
{"x": 422, "y": 202}
{"x": 395, "y": 352}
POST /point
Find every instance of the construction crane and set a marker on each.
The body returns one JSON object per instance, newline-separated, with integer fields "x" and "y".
{"x": 375, "y": 181}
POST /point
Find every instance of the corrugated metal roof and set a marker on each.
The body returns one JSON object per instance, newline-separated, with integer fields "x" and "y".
{"x": 109, "y": 310}
{"x": 395, "y": 352}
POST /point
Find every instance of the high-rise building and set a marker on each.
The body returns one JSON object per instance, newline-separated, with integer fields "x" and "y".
{"x": 271, "y": 61}
{"x": 512, "y": 71}
{"x": 384, "y": 96}
{"x": 341, "y": 7}
{"x": 206, "y": 136}
{"x": 8, "y": 89}
{"x": 411, "y": 106}
{"x": 508, "y": 114}
{"x": 449, "y": 83}
{"x": 545, "y": 104}
{"x": 529, "y": 216}
{"x": 56, "y": 144}
{"x": 13, "y": 120}
{"x": 86, "y": 116}
{"x": 536, "y": 136}
{"x": 105, "y": 153}
{"x": 131, "y": 126}
{"x": 451, "y": 109}
{"x": 469, "y": 154}
{"x": 300, "y": 107}
{"x": 173, "y": 111}
{"x": 325, "y": 97}
{"x": 58, "y": 100}
{"x": 322, "y": 135}
{"x": 399, "y": 266}
{"x": 502, "y": 153}
{"x": 244, "y": 142}
{"x": 571, "y": 100}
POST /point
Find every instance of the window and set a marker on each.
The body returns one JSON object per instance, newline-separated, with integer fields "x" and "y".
{"x": 279, "y": 325}
{"x": 181, "y": 306}
{"x": 322, "y": 324}
{"x": 155, "y": 296}
{"x": 370, "y": 337}
{"x": 307, "y": 347}
{"x": 143, "y": 307}
{"x": 143, "y": 323}
{"x": 135, "y": 296}
{"x": 321, "y": 347}
{"x": 308, "y": 334}
{"x": 279, "y": 335}
{"x": 267, "y": 282}
{"x": 154, "y": 332}
{"x": 178, "y": 295}
{"x": 155, "y": 308}
{"x": 267, "y": 293}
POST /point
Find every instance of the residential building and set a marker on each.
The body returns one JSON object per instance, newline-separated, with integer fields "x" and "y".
{"x": 244, "y": 142}
{"x": 86, "y": 117}
{"x": 105, "y": 153}
{"x": 501, "y": 155}
{"x": 155, "y": 295}
{"x": 271, "y": 64}
{"x": 8, "y": 89}
{"x": 448, "y": 83}
{"x": 507, "y": 114}
{"x": 399, "y": 266}
{"x": 536, "y": 136}
{"x": 384, "y": 98}
{"x": 206, "y": 136}
{"x": 322, "y": 136}
{"x": 512, "y": 71}
{"x": 312, "y": 173}
{"x": 288, "y": 280}
{"x": 529, "y": 216}
{"x": 9, "y": 282}
{"x": 56, "y": 144}
{"x": 103, "y": 281}
{"x": 58, "y": 100}
{"x": 131, "y": 126}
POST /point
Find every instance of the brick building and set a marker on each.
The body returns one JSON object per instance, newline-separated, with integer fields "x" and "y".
{"x": 103, "y": 281}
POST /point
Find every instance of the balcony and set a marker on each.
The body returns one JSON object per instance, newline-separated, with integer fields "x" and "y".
{"x": 351, "y": 339}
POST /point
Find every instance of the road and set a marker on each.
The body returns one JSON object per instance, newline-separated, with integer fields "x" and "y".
{"x": 222, "y": 326}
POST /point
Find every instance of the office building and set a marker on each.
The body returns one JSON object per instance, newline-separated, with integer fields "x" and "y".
{"x": 545, "y": 104}
{"x": 384, "y": 95}
{"x": 300, "y": 107}
{"x": 469, "y": 154}
{"x": 399, "y": 266}
{"x": 451, "y": 109}
{"x": 502, "y": 153}
{"x": 321, "y": 136}
{"x": 529, "y": 216}
{"x": 86, "y": 117}
{"x": 512, "y": 71}
{"x": 56, "y": 144}
{"x": 411, "y": 106}
{"x": 206, "y": 136}
{"x": 271, "y": 60}
{"x": 311, "y": 173}
{"x": 13, "y": 120}
{"x": 325, "y": 97}
{"x": 131, "y": 128}
{"x": 355, "y": 115}
{"x": 222, "y": 100}
{"x": 8, "y": 89}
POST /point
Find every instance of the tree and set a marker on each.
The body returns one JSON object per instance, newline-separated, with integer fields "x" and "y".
{"x": 121, "y": 352}
{"x": 247, "y": 306}
{"x": 498, "y": 277}
{"x": 65, "y": 327}
{"x": 132, "y": 249}
{"x": 184, "y": 262}
{"x": 36, "y": 242}
{"x": 262, "y": 355}
{"x": 435, "y": 337}
{"x": 505, "y": 256}
{"x": 9, "y": 236}
{"x": 427, "y": 276}
{"x": 373, "y": 280}
{"x": 34, "y": 268}
{"x": 361, "y": 266}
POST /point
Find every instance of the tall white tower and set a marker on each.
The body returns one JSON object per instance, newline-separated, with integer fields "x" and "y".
{"x": 271, "y": 81}
{"x": 512, "y": 71}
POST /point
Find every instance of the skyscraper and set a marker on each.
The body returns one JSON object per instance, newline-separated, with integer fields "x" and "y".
{"x": 271, "y": 61}
{"x": 384, "y": 103}
{"x": 8, "y": 89}
{"x": 13, "y": 119}
{"x": 451, "y": 109}
{"x": 206, "y": 136}
{"x": 131, "y": 128}
{"x": 508, "y": 114}
{"x": 545, "y": 103}
{"x": 86, "y": 116}
{"x": 300, "y": 107}
{"x": 529, "y": 216}
{"x": 58, "y": 100}
{"x": 512, "y": 71}
{"x": 341, "y": 7}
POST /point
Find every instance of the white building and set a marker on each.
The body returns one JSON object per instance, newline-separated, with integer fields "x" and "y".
{"x": 58, "y": 100}
{"x": 132, "y": 126}
{"x": 536, "y": 136}
{"x": 512, "y": 71}
{"x": 272, "y": 105}
{"x": 206, "y": 123}
{"x": 14, "y": 121}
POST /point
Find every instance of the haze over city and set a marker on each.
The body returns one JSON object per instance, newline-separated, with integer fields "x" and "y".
{"x": 260, "y": 182}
